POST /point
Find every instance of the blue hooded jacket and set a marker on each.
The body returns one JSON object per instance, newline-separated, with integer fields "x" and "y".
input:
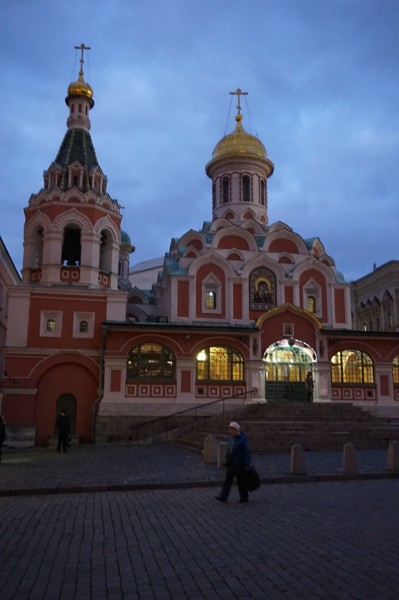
{"x": 238, "y": 454}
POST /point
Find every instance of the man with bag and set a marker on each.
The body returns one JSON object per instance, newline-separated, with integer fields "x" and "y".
{"x": 238, "y": 460}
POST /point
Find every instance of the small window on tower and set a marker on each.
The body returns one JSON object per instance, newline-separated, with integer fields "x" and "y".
{"x": 83, "y": 326}
{"x": 225, "y": 192}
{"x": 263, "y": 192}
{"x": 246, "y": 188}
{"x": 50, "y": 325}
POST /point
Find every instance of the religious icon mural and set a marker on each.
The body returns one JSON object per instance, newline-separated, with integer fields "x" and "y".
{"x": 262, "y": 289}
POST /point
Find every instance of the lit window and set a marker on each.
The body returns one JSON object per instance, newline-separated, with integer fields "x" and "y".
{"x": 50, "y": 325}
{"x": 150, "y": 361}
{"x": 352, "y": 366}
{"x": 220, "y": 363}
{"x": 311, "y": 304}
{"x": 210, "y": 299}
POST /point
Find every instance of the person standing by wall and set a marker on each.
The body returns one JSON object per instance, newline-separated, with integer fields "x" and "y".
{"x": 63, "y": 429}
{"x": 309, "y": 384}
{"x": 238, "y": 460}
{"x": 2, "y": 432}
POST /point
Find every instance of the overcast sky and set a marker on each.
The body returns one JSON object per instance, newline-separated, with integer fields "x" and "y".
{"x": 322, "y": 78}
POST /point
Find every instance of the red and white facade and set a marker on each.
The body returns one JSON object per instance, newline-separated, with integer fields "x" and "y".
{"x": 238, "y": 307}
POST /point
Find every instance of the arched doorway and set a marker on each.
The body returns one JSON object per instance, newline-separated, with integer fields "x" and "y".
{"x": 67, "y": 402}
{"x": 287, "y": 363}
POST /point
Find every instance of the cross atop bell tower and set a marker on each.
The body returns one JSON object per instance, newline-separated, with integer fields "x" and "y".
{"x": 238, "y": 93}
{"x": 82, "y": 48}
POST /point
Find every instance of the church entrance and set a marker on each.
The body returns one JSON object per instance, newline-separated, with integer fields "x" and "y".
{"x": 287, "y": 363}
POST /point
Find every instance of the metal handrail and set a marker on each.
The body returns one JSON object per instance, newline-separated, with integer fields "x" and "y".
{"x": 169, "y": 422}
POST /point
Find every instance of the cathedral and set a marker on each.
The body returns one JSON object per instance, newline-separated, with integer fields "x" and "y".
{"x": 239, "y": 309}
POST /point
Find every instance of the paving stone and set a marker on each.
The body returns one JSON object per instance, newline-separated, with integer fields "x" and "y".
{"x": 322, "y": 540}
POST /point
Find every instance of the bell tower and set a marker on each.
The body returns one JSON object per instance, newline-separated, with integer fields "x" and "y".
{"x": 72, "y": 233}
{"x": 239, "y": 170}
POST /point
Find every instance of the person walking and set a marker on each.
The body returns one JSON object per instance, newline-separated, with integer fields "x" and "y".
{"x": 63, "y": 429}
{"x": 309, "y": 387}
{"x": 2, "y": 432}
{"x": 238, "y": 460}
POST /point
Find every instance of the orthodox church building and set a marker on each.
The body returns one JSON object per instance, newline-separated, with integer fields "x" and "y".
{"x": 240, "y": 309}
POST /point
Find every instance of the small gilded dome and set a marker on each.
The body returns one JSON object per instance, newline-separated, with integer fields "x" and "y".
{"x": 81, "y": 88}
{"x": 239, "y": 143}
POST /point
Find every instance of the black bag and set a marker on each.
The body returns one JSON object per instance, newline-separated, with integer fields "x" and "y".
{"x": 252, "y": 479}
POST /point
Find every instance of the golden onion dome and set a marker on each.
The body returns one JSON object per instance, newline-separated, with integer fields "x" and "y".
{"x": 239, "y": 143}
{"x": 82, "y": 89}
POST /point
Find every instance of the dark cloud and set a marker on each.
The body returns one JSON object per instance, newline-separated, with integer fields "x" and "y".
{"x": 322, "y": 78}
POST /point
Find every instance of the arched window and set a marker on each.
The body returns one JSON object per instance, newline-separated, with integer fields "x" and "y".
{"x": 395, "y": 369}
{"x": 150, "y": 361}
{"x": 263, "y": 192}
{"x": 286, "y": 362}
{"x": 71, "y": 246}
{"x": 37, "y": 248}
{"x": 246, "y": 188}
{"x": 225, "y": 190}
{"x": 220, "y": 363}
{"x": 83, "y": 326}
{"x": 352, "y": 366}
{"x": 105, "y": 251}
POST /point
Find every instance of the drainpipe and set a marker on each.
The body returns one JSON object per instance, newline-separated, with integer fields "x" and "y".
{"x": 100, "y": 382}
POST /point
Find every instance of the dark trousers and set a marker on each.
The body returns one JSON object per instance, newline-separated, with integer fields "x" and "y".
{"x": 242, "y": 487}
{"x": 62, "y": 441}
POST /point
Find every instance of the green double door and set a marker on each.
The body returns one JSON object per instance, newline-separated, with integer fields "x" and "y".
{"x": 291, "y": 391}
{"x": 286, "y": 370}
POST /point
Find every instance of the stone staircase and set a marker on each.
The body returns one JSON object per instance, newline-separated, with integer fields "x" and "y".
{"x": 275, "y": 427}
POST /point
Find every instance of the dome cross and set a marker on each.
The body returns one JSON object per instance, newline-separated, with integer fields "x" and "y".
{"x": 82, "y": 48}
{"x": 238, "y": 93}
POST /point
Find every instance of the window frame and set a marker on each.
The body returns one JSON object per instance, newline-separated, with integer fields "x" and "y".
{"x": 341, "y": 373}
{"x": 246, "y": 188}
{"x": 211, "y": 285}
{"x": 159, "y": 370}
{"x": 47, "y": 316}
{"x": 225, "y": 190}
{"x": 80, "y": 317}
{"x": 206, "y": 366}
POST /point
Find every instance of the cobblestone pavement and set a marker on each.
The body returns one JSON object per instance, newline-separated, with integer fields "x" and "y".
{"x": 331, "y": 540}
{"x": 142, "y": 522}
{"x": 102, "y": 467}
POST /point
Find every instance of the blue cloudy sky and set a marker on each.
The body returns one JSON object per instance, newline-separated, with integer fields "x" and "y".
{"x": 322, "y": 77}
